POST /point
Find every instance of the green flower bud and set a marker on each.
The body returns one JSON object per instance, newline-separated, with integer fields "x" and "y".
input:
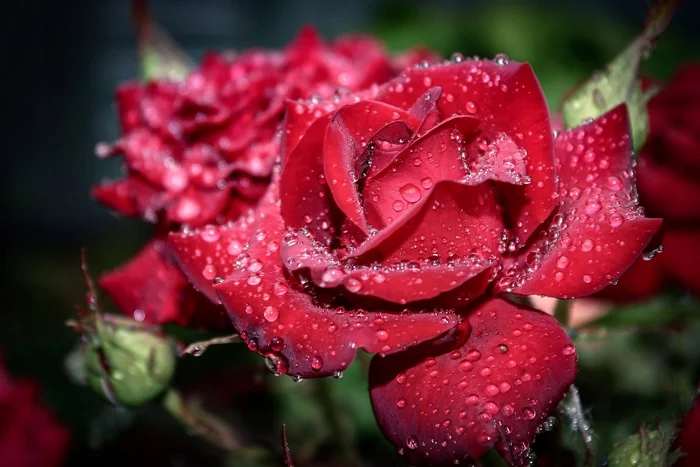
{"x": 128, "y": 362}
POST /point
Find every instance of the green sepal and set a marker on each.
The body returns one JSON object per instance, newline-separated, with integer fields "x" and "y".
{"x": 159, "y": 55}
{"x": 620, "y": 82}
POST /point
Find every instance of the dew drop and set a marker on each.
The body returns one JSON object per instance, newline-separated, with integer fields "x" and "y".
{"x": 209, "y": 272}
{"x": 271, "y": 314}
{"x": 410, "y": 193}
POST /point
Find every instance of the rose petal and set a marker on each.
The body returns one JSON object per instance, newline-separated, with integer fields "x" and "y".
{"x": 508, "y": 99}
{"x": 400, "y": 283}
{"x": 299, "y": 336}
{"x": 210, "y": 252}
{"x": 452, "y": 221}
{"x": 130, "y": 197}
{"x": 128, "y": 97}
{"x": 347, "y": 137}
{"x": 305, "y": 196}
{"x": 150, "y": 288}
{"x": 198, "y": 207}
{"x": 441, "y": 406}
{"x": 598, "y": 231}
{"x": 415, "y": 170}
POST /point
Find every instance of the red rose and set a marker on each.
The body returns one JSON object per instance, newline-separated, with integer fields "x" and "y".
{"x": 398, "y": 216}
{"x": 202, "y": 151}
{"x": 30, "y": 436}
{"x": 668, "y": 180}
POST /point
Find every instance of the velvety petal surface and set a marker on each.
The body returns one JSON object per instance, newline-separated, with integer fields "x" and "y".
{"x": 508, "y": 99}
{"x": 599, "y": 229}
{"x": 440, "y": 405}
{"x": 293, "y": 329}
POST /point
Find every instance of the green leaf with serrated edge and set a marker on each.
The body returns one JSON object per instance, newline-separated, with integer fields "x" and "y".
{"x": 159, "y": 56}
{"x": 620, "y": 81}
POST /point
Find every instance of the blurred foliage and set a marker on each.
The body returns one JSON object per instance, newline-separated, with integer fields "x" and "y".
{"x": 638, "y": 365}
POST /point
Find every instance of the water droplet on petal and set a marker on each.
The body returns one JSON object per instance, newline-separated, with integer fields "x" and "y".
{"x": 410, "y": 193}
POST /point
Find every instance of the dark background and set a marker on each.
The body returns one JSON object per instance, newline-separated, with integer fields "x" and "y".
{"x": 65, "y": 59}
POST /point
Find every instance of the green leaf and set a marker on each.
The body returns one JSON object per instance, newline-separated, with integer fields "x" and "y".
{"x": 644, "y": 449}
{"x": 620, "y": 81}
{"x": 159, "y": 56}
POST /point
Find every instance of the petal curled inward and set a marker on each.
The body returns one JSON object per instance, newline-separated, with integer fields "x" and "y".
{"x": 298, "y": 335}
{"x": 598, "y": 230}
{"x": 508, "y": 99}
{"x": 442, "y": 406}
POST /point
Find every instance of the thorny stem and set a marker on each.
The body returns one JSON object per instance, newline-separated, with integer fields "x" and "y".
{"x": 198, "y": 348}
{"x": 572, "y": 409}
{"x": 288, "y": 462}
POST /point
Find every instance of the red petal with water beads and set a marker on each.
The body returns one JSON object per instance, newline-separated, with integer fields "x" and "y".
{"x": 210, "y": 252}
{"x": 598, "y": 230}
{"x": 296, "y": 332}
{"x": 346, "y": 141}
{"x": 411, "y": 175}
{"x": 151, "y": 288}
{"x": 508, "y": 99}
{"x": 441, "y": 405}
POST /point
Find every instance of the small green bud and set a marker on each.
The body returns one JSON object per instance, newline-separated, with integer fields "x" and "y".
{"x": 128, "y": 362}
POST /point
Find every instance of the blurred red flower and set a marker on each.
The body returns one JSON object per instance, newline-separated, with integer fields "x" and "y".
{"x": 30, "y": 435}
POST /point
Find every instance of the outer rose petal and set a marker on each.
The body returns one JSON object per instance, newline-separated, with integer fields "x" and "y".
{"x": 508, "y": 99}
{"x": 150, "y": 284}
{"x": 598, "y": 232}
{"x": 299, "y": 336}
{"x": 443, "y": 405}
{"x": 210, "y": 252}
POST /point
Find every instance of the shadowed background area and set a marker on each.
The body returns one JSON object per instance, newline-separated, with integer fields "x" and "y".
{"x": 66, "y": 60}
